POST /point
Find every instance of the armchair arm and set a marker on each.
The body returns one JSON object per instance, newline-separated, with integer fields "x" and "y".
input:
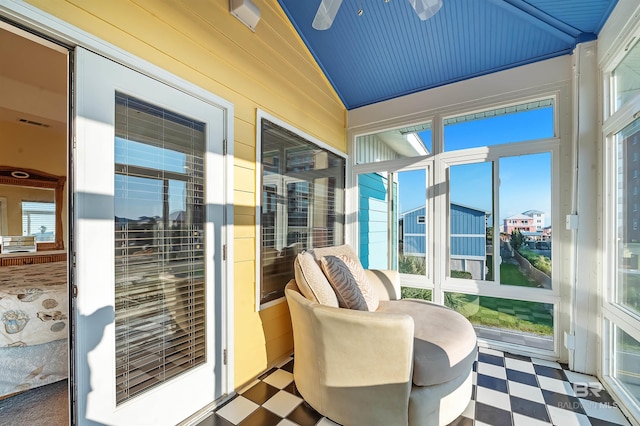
{"x": 385, "y": 282}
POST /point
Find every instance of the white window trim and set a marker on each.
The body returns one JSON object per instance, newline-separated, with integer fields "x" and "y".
{"x": 260, "y": 115}
{"x": 624, "y": 30}
{"x": 48, "y": 25}
{"x": 558, "y": 92}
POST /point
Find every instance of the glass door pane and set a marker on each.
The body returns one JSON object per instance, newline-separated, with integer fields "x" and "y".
{"x": 525, "y": 218}
{"x": 470, "y": 213}
{"x": 159, "y": 246}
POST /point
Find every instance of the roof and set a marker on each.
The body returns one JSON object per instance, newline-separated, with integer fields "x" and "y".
{"x": 518, "y": 216}
{"x": 532, "y": 212}
{"x": 453, "y": 204}
{"x": 389, "y": 52}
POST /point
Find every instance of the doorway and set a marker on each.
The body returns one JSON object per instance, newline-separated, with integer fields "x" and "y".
{"x": 34, "y": 290}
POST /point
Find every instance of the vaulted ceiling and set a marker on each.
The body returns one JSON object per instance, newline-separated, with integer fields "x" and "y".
{"x": 388, "y": 51}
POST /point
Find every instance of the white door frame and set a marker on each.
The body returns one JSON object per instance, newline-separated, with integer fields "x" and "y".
{"x": 48, "y": 25}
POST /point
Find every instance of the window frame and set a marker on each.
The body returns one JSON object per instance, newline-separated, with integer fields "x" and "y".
{"x": 612, "y": 314}
{"x": 436, "y": 164}
{"x": 263, "y": 115}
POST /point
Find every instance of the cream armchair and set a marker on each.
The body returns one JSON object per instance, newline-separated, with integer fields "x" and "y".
{"x": 408, "y": 362}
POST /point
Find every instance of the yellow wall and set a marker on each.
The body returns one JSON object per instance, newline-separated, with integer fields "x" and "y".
{"x": 37, "y": 148}
{"x": 270, "y": 69}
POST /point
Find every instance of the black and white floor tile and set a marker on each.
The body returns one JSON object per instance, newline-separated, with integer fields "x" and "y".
{"x": 508, "y": 390}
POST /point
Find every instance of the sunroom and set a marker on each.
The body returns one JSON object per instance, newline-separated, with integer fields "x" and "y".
{"x": 485, "y": 151}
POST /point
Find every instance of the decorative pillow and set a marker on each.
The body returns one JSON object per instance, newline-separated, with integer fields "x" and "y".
{"x": 343, "y": 283}
{"x": 370, "y": 295}
{"x": 312, "y": 282}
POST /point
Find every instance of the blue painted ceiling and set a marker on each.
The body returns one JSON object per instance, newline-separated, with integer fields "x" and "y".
{"x": 389, "y": 52}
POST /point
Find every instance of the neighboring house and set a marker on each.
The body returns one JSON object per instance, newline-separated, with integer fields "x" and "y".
{"x": 520, "y": 222}
{"x": 538, "y": 218}
{"x": 468, "y": 234}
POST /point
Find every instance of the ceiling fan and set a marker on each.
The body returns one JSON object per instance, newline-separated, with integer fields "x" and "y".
{"x": 328, "y": 9}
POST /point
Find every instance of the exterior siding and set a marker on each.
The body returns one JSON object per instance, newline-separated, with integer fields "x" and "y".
{"x": 371, "y": 149}
{"x": 414, "y": 233}
{"x": 200, "y": 41}
{"x": 372, "y": 217}
{"x": 468, "y": 232}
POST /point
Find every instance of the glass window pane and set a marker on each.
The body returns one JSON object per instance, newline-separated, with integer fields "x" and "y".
{"x": 159, "y": 246}
{"x": 415, "y": 293}
{"x": 626, "y": 77}
{"x": 375, "y": 192}
{"x": 501, "y": 125}
{"x": 39, "y": 219}
{"x": 628, "y": 218}
{"x": 412, "y": 141}
{"x": 470, "y": 210}
{"x": 302, "y": 203}
{"x": 412, "y": 239}
{"x": 627, "y": 362}
{"x": 512, "y": 321}
{"x": 525, "y": 218}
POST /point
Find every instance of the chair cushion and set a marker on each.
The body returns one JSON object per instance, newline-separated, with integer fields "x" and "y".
{"x": 355, "y": 267}
{"x": 444, "y": 340}
{"x": 341, "y": 279}
{"x": 312, "y": 282}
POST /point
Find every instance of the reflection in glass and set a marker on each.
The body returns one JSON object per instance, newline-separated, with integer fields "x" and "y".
{"x": 627, "y": 362}
{"x": 628, "y": 217}
{"x": 302, "y": 203}
{"x": 625, "y": 77}
{"x": 525, "y": 216}
{"x": 39, "y": 220}
{"x": 470, "y": 211}
{"x": 506, "y": 320}
{"x": 159, "y": 246}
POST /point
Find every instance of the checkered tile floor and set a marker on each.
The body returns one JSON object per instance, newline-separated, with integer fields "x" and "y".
{"x": 508, "y": 390}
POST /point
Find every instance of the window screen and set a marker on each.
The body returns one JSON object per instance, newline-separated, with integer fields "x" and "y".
{"x": 159, "y": 245}
{"x": 302, "y": 203}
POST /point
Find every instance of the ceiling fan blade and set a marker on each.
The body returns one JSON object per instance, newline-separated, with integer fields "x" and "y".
{"x": 426, "y": 8}
{"x": 326, "y": 13}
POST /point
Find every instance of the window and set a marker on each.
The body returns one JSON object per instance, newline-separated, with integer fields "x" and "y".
{"x": 39, "y": 220}
{"x": 302, "y": 203}
{"x": 159, "y": 246}
{"x": 621, "y": 282}
{"x": 625, "y": 78}
{"x": 500, "y": 125}
{"x": 473, "y": 220}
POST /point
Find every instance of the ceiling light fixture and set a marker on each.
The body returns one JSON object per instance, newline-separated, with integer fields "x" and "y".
{"x": 328, "y": 10}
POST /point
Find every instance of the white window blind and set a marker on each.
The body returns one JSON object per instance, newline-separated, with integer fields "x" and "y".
{"x": 39, "y": 220}
{"x": 159, "y": 245}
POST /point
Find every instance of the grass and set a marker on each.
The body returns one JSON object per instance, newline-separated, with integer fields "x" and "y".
{"x": 518, "y": 315}
{"x": 511, "y": 275}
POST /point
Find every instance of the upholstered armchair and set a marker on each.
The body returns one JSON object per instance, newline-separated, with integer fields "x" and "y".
{"x": 406, "y": 362}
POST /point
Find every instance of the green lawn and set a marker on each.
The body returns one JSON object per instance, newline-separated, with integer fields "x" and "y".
{"x": 519, "y": 315}
{"x": 511, "y": 275}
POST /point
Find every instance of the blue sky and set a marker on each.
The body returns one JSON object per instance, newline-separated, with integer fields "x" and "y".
{"x": 525, "y": 181}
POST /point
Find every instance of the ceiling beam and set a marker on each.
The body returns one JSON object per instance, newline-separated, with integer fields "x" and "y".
{"x": 540, "y": 19}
